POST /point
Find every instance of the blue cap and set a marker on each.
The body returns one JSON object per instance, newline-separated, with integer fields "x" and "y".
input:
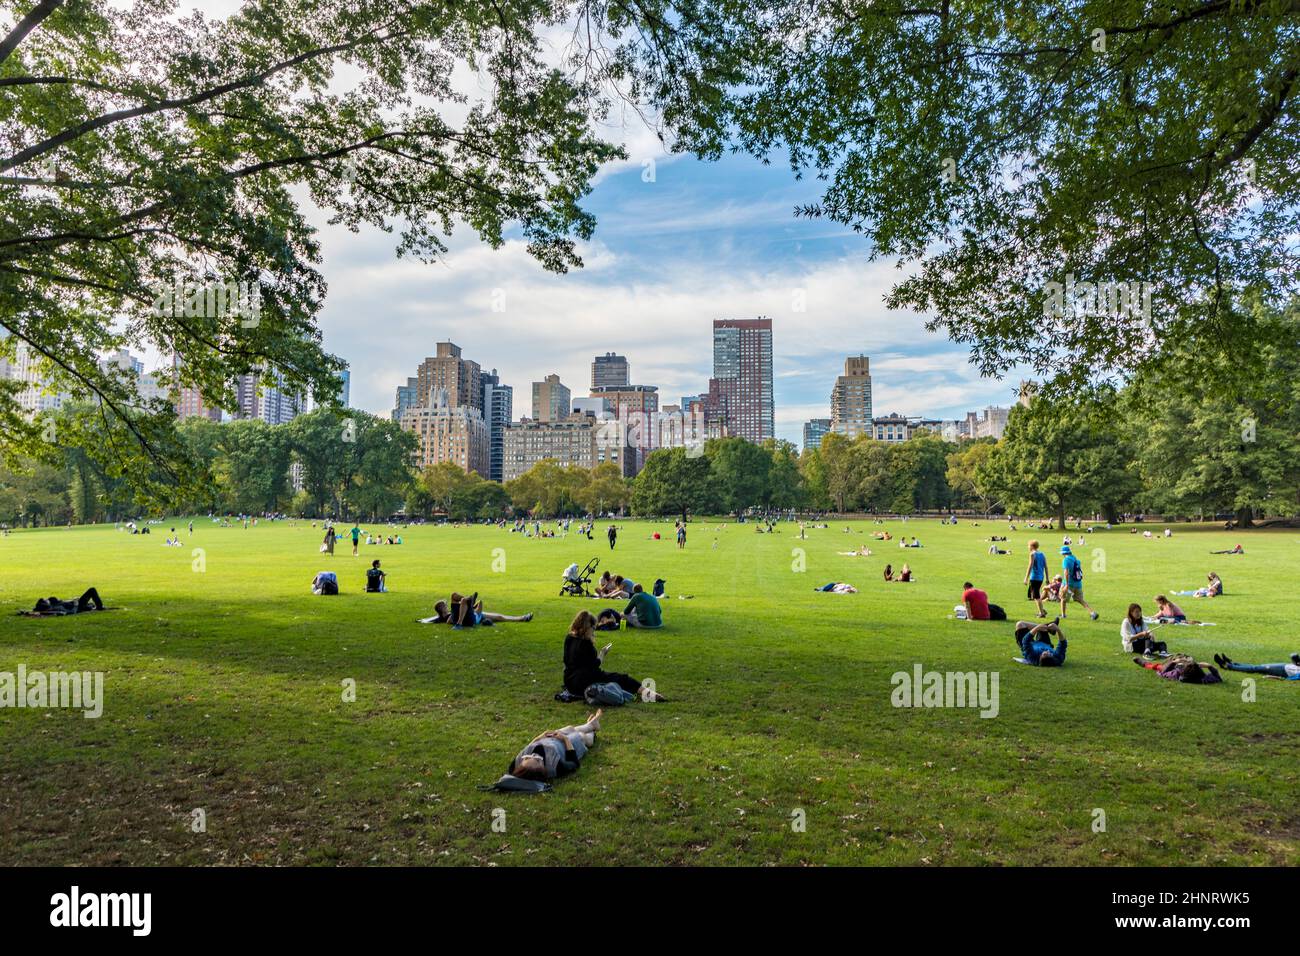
{"x": 1065, "y": 549}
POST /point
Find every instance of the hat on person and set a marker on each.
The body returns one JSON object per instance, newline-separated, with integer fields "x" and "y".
{"x": 1065, "y": 549}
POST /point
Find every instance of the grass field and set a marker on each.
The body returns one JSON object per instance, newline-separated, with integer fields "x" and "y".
{"x": 223, "y": 691}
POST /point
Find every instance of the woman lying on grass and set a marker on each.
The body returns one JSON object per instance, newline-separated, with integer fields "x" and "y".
{"x": 556, "y": 752}
{"x": 1289, "y": 671}
{"x": 1183, "y": 668}
{"x": 582, "y": 662}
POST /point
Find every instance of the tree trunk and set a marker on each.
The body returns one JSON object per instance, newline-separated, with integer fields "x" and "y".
{"x": 1244, "y": 516}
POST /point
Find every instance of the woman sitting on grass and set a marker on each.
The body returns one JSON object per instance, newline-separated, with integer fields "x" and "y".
{"x": 582, "y": 662}
{"x": 1171, "y": 613}
{"x": 1135, "y": 636}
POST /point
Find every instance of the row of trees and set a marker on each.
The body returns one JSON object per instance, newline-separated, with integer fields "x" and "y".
{"x": 1156, "y": 443}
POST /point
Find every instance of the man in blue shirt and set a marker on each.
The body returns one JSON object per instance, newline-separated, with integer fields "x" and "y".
{"x": 1073, "y": 584}
{"x": 1035, "y": 643}
{"x": 1035, "y": 575}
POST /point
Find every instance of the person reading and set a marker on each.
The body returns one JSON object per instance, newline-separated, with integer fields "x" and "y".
{"x": 643, "y": 610}
{"x": 583, "y": 664}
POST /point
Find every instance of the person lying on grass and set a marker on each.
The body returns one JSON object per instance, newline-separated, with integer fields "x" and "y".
{"x": 1136, "y": 637}
{"x": 556, "y": 752}
{"x": 643, "y": 610}
{"x": 53, "y": 607}
{"x": 468, "y": 612}
{"x": 1290, "y": 671}
{"x": 1183, "y": 668}
{"x": 582, "y": 662}
{"x": 1035, "y": 643}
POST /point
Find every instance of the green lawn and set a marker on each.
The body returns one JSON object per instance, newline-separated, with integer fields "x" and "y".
{"x": 224, "y": 692}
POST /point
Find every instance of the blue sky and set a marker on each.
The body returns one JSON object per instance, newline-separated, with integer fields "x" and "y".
{"x": 698, "y": 241}
{"x": 677, "y": 245}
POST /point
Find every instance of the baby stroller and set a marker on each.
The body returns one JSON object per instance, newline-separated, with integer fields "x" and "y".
{"x": 575, "y": 581}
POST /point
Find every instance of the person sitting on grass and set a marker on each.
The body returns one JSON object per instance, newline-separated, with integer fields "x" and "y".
{"x": 376, "y": 579}
{"x": 1289, "y": 671}
{"x": 977, "y": 605}
{"x": 643, "y": 610}
{"x": 889, "y": 572}
{"x": 904, "y": 576}
{"x": 53, "y": 607}
{"x": 468, "y": 612}
{"x": 608, "y": 620}
{"x": 556, "y": 752}
{"x": 1213, "y": 588}
{"x": 1170, "y": 613}
{"x": 583, "y": 663}
{"x": 1136, "y": 637}
{"x": 1035, "y": 643}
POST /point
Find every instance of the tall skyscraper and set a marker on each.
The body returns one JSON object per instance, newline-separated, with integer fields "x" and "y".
{"x": 498, "y": 401}
{"x": 635, "y": 408}
{"x": 28, "y": 368}
{"x": 813, "y": 431}
{"x": 460, "y": 378}
{"x": 550, "y": 400}
{"x": 610, "y": 371}
{"x": 740, "y": 392}
{"x": 851, "y": 398}
{"x": 443, "y": 407}
{"x": 446, "y": 432}
{"x": 408, "y": 396}
{"x": 263, "y": 395}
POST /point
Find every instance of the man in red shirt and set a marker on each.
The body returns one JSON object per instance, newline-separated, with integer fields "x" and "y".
{"x": 976, "y": 601}
{"x": 978, "y": 607}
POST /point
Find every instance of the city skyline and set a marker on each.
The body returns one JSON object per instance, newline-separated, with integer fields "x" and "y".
{"x": 700, "y": 242}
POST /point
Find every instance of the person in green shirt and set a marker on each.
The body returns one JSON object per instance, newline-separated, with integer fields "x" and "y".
{"x": 356, "y": 539}
{"x": 643, "y": 610}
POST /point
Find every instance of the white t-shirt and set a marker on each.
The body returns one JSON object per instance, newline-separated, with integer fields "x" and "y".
{"x": 1128, "y": 631}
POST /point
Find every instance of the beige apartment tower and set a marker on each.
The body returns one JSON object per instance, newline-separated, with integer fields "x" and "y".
{"x": 851, "y": 398}
{"x": 551, "y": 400}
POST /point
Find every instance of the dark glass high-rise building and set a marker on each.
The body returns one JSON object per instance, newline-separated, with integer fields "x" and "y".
{"x": 610, "y": 371}
{"x": 740, "y": 393}
{"x": 498, "y": 402}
